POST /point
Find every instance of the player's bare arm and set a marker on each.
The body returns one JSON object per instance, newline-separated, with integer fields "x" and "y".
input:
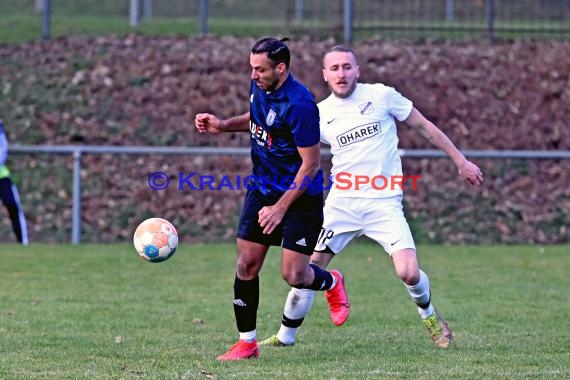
{"x": 270, "y": 216}
{"x": 208, "y": 123}
{"x": 467, "y": 169}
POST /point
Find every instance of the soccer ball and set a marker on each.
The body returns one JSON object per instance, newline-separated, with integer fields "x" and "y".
{"x": 155, "y": 240}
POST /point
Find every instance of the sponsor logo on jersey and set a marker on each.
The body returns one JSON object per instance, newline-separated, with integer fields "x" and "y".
{"x": 359, "y": 133}
{"x": 260, "y": 135}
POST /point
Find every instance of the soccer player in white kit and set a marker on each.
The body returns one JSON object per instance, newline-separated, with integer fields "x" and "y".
{"x": 358, "y": 122}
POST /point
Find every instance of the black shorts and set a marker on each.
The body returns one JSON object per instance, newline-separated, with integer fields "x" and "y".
{"x": 298, "y": 231}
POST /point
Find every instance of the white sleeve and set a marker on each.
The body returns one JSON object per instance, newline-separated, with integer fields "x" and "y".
{"x": 323, "y": 138}
{"x": 321, "y": 124}
{"x": 400, "y": 107}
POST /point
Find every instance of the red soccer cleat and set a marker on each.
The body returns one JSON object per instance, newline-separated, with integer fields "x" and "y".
{"x": 240, "y": 351}
{"x": 339, "y": 305}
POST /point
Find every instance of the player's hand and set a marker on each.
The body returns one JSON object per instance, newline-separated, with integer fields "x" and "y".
{"x": 206, "y": 122}
{"x": 270, "y": 217}
{"x": 471, "y": 173}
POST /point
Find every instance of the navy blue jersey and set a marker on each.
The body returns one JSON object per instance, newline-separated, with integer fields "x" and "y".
{"x": 281, "y": 121}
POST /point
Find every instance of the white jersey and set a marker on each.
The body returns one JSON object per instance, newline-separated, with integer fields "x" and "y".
{"x": 361, "y": 131}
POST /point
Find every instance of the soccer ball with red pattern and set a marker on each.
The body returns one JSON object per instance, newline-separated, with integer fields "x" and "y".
{"x": 155, "y": 240}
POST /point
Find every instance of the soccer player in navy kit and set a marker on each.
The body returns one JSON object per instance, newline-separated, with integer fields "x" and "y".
{"x": 283, "y": 204}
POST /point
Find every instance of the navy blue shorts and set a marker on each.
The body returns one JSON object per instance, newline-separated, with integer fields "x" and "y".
{"x": 298, "y": 231}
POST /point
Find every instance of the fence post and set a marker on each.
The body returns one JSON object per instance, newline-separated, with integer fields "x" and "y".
{"x": 46, "y": 20}
{"x": 299, "y": 11}
{"x": 134, "y": 13}
{"x": 76, "y": 200}
{"x": 203, "y": 16}
{"x": 449, "y": 11}
{"x": 347, "y": 21}
{"x": 490, "y": 10}
{"x": 147, "y": 9}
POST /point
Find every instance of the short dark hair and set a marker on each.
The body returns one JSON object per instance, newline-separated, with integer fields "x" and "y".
{"x": 340, "y": 49}
{"x": 276, "y": 50}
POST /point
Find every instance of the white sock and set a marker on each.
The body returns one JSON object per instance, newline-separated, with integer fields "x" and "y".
{"x": 297, "y": 306}
{"x": 248, "y": 336}
{"x": 424, "y": 313}
{"x": 420, "y": 293}
{"x": 287, "y": 335}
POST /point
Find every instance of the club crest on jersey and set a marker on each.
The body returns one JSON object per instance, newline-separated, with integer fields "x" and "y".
{"x": 366, "y": 109}
{"x": 270, "y": 117}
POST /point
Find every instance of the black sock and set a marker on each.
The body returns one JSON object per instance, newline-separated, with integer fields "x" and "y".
{"x": 246, "y": 301}
{"x": 323, "y": 279}
{"x": 426, "y": 305}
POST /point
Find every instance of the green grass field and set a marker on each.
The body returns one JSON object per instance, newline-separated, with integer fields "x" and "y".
{"x": 26, "y": 28}
{"x": 99, "y": 312}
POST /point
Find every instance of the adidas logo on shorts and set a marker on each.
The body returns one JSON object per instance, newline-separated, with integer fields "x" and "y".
{"x": 302, "y": 242}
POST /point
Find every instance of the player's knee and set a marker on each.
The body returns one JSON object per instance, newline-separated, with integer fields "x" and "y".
{"x": 409, "y": 277}
{"x": 409, "y": 274}
{"x": 246, "y": 271}
{"x": 294, "y": 279}
{"x": 406, "y": 266}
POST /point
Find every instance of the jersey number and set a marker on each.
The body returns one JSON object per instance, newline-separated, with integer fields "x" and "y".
{"x": 325, "y": 235}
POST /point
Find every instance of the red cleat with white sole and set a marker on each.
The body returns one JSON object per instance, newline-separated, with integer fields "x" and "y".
{"x": 240, "y": 351}
{"x": 339, "y": 305}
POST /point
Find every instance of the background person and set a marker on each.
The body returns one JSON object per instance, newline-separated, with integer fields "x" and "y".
{"x": 9, "y": 193}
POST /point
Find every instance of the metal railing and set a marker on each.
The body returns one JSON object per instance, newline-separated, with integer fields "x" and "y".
{"x": 343, "y": 18}
{"x": 77, "y": 151}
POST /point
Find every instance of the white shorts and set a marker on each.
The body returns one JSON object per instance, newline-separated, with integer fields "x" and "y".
{"x": 381, "y": 219}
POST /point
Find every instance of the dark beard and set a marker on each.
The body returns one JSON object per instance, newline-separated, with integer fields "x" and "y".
{"x": 273, "y": 85}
